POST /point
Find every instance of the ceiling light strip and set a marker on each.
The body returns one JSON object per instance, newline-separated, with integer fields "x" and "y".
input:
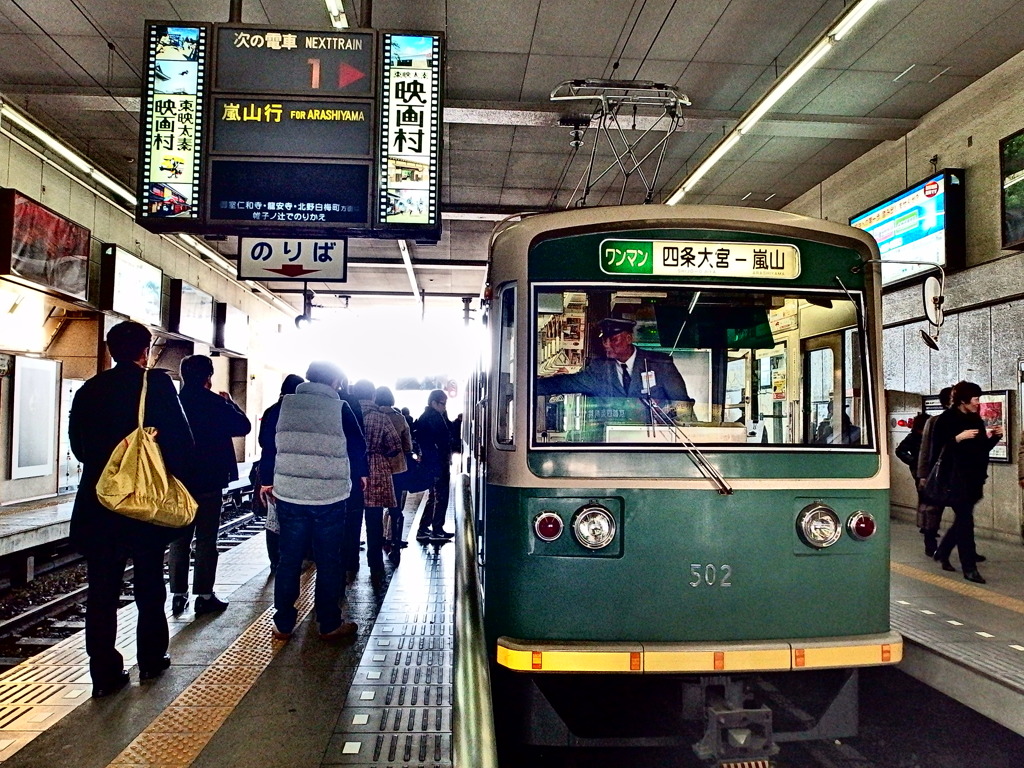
{"x": 62, "y": 150}
{"x": 817, "y": 50}
{"x": 403, "y": 247}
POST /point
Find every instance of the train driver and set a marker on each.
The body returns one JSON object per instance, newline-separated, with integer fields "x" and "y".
{"x": 625, "y": 371}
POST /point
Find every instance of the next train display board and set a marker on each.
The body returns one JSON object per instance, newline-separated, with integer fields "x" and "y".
{"x": 299, "y": 133}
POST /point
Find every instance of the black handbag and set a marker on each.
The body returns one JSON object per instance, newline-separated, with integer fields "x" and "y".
{"x": 940, "y": 488}
{"x": 415, "y": 478}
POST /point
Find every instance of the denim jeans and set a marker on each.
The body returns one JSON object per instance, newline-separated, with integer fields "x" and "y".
{"x": 323, "y": 527}
{"x": 437, "y": 505}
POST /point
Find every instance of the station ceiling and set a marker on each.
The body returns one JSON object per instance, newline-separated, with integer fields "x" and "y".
{"x": 76, "y": 66}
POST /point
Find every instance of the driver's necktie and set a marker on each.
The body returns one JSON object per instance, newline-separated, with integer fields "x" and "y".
{"x": 625, "y": 377}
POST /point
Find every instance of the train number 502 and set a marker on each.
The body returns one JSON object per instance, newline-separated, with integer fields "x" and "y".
{"x": 710, "y": 575}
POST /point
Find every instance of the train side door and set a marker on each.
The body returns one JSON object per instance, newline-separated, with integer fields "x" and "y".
{"x": 823, "y": 388}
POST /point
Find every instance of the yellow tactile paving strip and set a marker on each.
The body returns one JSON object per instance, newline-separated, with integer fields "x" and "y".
{"x": 960, "y": 587}
{"x": 177, "y": 736}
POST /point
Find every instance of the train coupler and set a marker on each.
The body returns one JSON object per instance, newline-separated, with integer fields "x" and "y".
{"x": 736, "y": 736}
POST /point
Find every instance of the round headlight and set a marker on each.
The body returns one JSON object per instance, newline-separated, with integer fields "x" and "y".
{"x": 861, "y": 525}
{"x": 547, "y": 526}
{"x": 593, "y": 526}
{"x": 818, "y": 526}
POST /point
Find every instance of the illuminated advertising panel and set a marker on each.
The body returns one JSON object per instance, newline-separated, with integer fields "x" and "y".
{"x": 410, "y": 125}
{"x": 191, "y": 312}
{"x": 924, "y": 224}
{"x": 232, "y": 331}
{"x": 130, "y": 286}
{"x": 42, "y": 247}
{"x": 171, "y": 135}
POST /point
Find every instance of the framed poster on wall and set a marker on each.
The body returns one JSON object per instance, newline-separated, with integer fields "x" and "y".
{"x": 995, "y": 412}
{"x": 35, "y": 418}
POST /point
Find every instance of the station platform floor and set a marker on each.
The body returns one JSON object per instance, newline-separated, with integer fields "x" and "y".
{"x": 233, "y": 698}
{"x": 963, "y": 639}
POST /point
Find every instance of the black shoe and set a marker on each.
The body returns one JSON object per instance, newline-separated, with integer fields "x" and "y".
{"x": 439, "y": 538}
{"x": 178, "y": 604}
{"x": 980, "y": 558}
{"x": 99, "y": 691}
{"x": 974, "y": 576}
{"x": 929, "y": 547}
{"x": 946, "y": 565}
{"x": 442, "y": 535}
{"x": 423, "y": 537}
{"x": 151, "y": 673}
{"x": 209, "y": 604}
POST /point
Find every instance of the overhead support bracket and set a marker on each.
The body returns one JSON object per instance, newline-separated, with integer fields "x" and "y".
{"x": 618, "y": 111}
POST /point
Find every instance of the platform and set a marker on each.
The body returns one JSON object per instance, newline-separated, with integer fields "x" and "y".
{"x": 964, "y": 639}
{"x": 234, "y": 697}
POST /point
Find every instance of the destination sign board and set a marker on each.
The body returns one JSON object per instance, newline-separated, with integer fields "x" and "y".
{"x": 699, "y": 258}
{"x": 290, "y": 127}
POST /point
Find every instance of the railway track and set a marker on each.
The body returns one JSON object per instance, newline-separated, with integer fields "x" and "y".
{"x": 44, "y": 624}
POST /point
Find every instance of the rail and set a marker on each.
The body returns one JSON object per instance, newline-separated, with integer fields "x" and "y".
{"x": 472, "y": 717}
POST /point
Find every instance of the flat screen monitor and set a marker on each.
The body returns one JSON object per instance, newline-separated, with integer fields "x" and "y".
{"x": 130, "y": 286}
{"x": 191, "y": 312}
{"x": 924, "y": 225}
{"x": 1011, "y": 174}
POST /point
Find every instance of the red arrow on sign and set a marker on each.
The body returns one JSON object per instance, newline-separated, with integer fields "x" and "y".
{"x": 293, "y": 270}
{"x": 348, "y": 74}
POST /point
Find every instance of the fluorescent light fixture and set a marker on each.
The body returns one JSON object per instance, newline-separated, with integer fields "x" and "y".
{"x": 212, "y": 255}
{"x": 847, "y": 20}
{"x": 850, "y": 19}
{"x": 403, "y": 247}
{"x": 337, "y": 13}
{"x": 65, "y": 152}
{"x": 783, "y": 85}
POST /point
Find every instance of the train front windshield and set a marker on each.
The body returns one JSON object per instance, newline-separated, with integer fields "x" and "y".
{"x": 626, "y": 365}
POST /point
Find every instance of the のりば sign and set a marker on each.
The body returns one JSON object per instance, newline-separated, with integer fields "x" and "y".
{"x": 266, "y": 258}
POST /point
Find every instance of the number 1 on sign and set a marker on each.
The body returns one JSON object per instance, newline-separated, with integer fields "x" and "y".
{"x": 314, "y": 65}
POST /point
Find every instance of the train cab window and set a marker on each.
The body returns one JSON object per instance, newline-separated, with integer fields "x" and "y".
{"x": 736, "y": 367}
{"x": 504, "y": 432}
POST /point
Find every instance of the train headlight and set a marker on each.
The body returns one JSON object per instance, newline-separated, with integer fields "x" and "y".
{"x": 593, "y": 526}
{"x": 547, "y": 526}
{"x": 818, "y": 526}
{"x": 861, "y": 525}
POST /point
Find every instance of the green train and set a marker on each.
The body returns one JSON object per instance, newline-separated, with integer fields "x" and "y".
{"x": 680, "y": 478}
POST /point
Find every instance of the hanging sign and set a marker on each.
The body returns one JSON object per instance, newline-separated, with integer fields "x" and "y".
{"x": 171, "y": 135}
{"x": 292, "y": 259}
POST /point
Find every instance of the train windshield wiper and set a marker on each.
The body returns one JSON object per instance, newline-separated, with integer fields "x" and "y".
{"x": 700, "y": 461}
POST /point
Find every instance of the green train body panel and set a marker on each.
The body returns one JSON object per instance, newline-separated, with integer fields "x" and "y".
{"x": 686, "y": 566}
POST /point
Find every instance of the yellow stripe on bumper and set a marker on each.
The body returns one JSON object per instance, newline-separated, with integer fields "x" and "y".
{"x": 664, "y": 658}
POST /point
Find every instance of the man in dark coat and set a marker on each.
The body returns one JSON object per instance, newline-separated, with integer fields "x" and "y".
{"x": 434, "y": 436}
{"x": 214, "y": 419}
{"x": 105, "y": 411}
{"x": 625, "y": 371}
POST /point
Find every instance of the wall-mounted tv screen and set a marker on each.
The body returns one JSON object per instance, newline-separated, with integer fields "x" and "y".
{"x": 924, "y": 224}
{"x": 130, "y": 286}
{"x": 232, "y": 329}
{"x": 1011, "y": 174}
{"x": 191, "y": 312}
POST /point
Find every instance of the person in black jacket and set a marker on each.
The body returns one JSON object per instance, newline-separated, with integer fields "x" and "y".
{"x": 908, "y": 451}
{"x": 105, "y": 411}
{"x": 433, "y": 433}
{"x": 267, "y": 434}
{"x": 214, "y": 419}
{"x": 960, "y": 440}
